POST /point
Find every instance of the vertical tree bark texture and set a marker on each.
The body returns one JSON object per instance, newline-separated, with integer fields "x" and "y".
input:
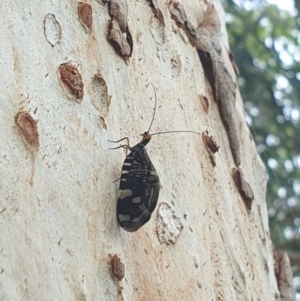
{"x": 75, "y": 75}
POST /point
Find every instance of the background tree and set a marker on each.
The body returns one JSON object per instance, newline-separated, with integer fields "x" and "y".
{"x": 75, "y": 75}
{"x": 265, "y": 42}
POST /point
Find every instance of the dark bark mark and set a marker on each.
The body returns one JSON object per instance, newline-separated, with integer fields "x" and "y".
{"x": 120, "y": 43}
{"x": 157, "y": 12}
{"x": 223, "y": 86}
{"x": 85, "y": 15}
{"x": 179, "y": 16}
{"x": 70, "y": 79}
{"x": 284, "y": 276}
{"x": 211, "y": 146}
{"x": 118, "y": 11}
{"x": 28, "y": 128}
{"x": 243, "y": 187}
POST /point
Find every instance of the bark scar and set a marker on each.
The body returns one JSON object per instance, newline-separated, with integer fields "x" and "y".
{"x": 208, "y": 37}
{"x": 243, "y": 187}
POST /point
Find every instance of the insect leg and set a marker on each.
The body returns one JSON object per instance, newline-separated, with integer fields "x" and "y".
{"x": 124, "y": 145}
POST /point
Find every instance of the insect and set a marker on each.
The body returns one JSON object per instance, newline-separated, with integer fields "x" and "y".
{"x": 139, "y": 183}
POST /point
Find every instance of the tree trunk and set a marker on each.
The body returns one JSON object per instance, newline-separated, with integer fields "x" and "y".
{"x": 75, "y": 75}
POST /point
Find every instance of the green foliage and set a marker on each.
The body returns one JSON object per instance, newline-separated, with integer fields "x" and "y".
{"x": 265, "y": 42}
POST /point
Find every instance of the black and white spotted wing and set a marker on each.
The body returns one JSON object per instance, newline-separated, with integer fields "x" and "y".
{"x": 139, "y": 188}
{"x": 139, "y": 183}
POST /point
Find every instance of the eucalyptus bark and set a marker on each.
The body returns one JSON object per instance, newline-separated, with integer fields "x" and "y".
{"x": 75, "y": 75}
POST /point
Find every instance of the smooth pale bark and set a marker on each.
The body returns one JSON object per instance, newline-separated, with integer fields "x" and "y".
{"x": 58, "y": 200}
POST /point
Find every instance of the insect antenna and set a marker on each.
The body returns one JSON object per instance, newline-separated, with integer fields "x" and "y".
{"x": 165, "y": 132}
{"x": 170, "y": 132}
{"x": 154, "y": 108}
{"x": 127, "y": 146}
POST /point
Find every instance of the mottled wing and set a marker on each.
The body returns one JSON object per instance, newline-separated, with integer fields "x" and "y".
{"x": 138, "y": 191}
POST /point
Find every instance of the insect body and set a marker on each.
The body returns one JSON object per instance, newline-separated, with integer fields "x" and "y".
{"x": 139, "y": 183}
{"x": 139, "y": 188}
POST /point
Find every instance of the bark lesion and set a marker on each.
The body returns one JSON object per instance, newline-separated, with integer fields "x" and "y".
{"x": 118, "y": 33}
{"x": 207, "y": 40}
